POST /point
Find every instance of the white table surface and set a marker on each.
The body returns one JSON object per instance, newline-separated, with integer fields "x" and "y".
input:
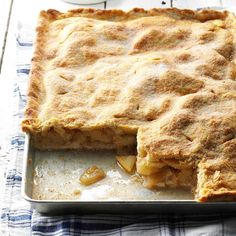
{"x": 26, "y": 11}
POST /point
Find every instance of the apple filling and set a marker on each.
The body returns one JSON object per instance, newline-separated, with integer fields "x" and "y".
{"x": 100, "y": 138}
{"x": 156, "y": 173}
{"x": 170, "y": 173}
{"x": 92, "y": 175}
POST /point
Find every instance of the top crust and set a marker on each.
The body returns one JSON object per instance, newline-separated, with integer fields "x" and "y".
{"x": 45, "y": 29}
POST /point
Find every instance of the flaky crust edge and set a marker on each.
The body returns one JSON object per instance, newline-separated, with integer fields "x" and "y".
{"x": 31, "y": 122}
{"x": 217, "y": 196}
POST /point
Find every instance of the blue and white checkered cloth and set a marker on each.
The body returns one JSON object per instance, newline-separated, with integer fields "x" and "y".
{"x": 17, "y": 218}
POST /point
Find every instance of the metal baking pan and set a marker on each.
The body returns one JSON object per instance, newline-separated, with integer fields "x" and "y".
{"x": 51, "y": 185}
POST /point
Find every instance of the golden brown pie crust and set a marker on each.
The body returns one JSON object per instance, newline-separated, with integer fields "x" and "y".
{"x": 99, "y": 78}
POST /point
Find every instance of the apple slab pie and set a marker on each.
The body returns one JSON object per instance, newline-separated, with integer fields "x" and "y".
{"x": 158, "y": 83}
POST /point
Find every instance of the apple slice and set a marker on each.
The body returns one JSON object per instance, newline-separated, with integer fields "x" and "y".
{"x": 92, "y": 175}
{"x": 127, "y": 163}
